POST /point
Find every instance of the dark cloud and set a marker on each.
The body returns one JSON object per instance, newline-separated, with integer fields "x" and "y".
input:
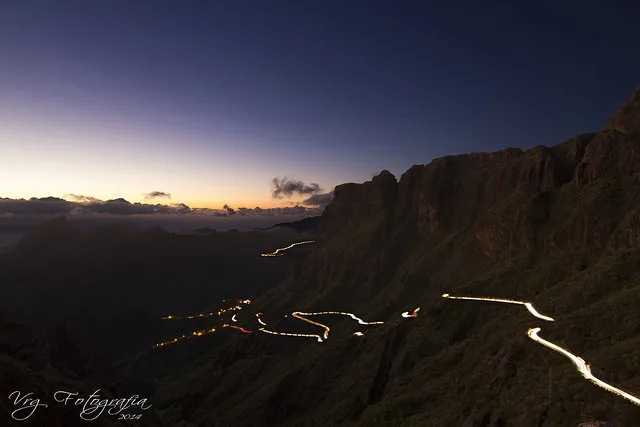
{"x": 287, "y": 187}
{"x": 321, "y": 199}
{"x": 83, "y": 205}
{"x": 43, "y": 206}
{"x": 229, "y": 209}
{"x": 157, "y": 194}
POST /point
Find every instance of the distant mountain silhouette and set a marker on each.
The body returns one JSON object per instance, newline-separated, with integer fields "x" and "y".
{"x": 306, "y": 225}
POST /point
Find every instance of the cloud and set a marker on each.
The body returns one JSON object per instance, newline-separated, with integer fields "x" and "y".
{"x": 45, "y": 205}
{"x": 87, "y": 205}
{"x": 321, "y": 199}
{"x": 229, "y": 209}
{"x": 157, "y": 194}
{"x": 287, "y": 187}
{"x": 81, "y": 199}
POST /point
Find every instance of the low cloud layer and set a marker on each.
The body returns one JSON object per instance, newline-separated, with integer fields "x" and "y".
{"x": 81, "y": 199}
{"x": 156, "y": 195}
{"x": 284, "y": 187}
{"x": 78, "y": 205}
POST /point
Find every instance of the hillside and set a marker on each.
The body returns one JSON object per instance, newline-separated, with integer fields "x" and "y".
{"x": 559, "y": 226}
{"x": 44, "y": 362}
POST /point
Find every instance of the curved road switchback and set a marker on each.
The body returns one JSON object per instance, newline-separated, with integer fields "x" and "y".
{"x": 300, "y": 315}
{"x": 413, "y": 314}
{"x": 581, "y": 366}
{"x": 528, "y": 305}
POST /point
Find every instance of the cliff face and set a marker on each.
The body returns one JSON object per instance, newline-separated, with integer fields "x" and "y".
{"x": 467, "y": 212}
{"x": 627, "y": 118}
{"x": 558, "y": 225}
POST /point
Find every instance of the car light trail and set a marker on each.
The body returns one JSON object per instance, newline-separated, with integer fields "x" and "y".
{"x": 582, "y": 366}
{"x": 358, "y": 334}
{"x": 299, "y": 315}
{"x": 528, "y": 305}
{"x": 289, "y": 334}
{"x": 233, "y": 318}
{"x": 182, "y": 337}
{"x": 260, "y": 320}
{"x": 414, "y": 314}
{"x": 211, "y": 313}
{"x": 277, "y": 251}
{"x": 243, "y": 330}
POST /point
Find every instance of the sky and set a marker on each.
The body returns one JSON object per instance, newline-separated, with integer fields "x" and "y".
{"x": 208, "y": 101}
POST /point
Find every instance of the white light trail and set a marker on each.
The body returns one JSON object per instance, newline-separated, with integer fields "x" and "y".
{"x": 298, "y": 315}
{"x": 358, "y": 334}
{"x": 260, "y": 320}
{"x": 528, "y": 305}
{"x": 414, "y": 314}
{"x": 277, "y": 251}
{"x": 582, "y": 366}
{"x": 340, "y": 313}
{"x": 233, "y": 318}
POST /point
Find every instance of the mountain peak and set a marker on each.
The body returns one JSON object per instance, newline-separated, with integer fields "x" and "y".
{"x": 627, "y": 118}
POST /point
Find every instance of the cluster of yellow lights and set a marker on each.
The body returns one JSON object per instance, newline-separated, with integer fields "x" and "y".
{"x": 204, "y": 331}
{"x": 180, "y": 338}
{"x": 580, "y": 364}
{"x": 211, "y": 313}
{"x": 278, "y": 251}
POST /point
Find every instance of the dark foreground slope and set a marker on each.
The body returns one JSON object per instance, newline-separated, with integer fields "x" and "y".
{"x": 558, "y": 225}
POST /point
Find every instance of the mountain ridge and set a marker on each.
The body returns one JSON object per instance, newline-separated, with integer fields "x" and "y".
{"x": 555, "y": 225}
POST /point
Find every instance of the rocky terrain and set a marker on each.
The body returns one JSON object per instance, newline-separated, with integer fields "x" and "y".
{"x": 556, "y": 225}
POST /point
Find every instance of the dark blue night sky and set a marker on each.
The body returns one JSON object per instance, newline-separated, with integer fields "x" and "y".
{"x": 210, "y": 100}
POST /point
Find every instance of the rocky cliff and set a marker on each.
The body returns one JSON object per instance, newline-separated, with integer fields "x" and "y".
{"x": 557, "y": 225}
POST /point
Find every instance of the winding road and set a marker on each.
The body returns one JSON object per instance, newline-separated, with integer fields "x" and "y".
{"x": 277, "y": 252}
{"x": 579, "y": 362}
{"x": 582, "y": 367}
{"x": 528, "y": 305}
